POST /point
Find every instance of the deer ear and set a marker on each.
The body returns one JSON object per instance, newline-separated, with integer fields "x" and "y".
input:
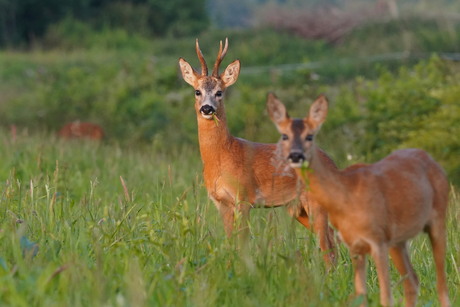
{"x": 188, "y": 73}
{"x": 276, "y": 109}
{"x": 318, "y": 112}
{"x": 231, "y": 73}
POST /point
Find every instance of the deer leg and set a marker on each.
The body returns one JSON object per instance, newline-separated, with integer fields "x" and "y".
{"x": 326, "y": 240}
{"x": 400, "y": 257}
{"x": 303, "y": 219}
{"x": 437, "y": 234}
{"x": 380, "y": 255}
{"x": 300, "y": 214}
{"x": 231, "y": 214}
{"x": 227, "y": 213}
{"x": 359, "y": 265}
{"x": 243, "y": 225}
{"x": 321, "y": 227}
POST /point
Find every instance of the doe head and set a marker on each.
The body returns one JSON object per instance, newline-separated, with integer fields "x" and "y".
{"x": 297, "y": 135}
{"x": 210, "y": 90}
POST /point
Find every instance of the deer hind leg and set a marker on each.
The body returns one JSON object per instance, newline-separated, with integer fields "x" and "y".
{"x": 437, "y": 234}
{"x": 380, "y": 255}
{"x": 318, "y": 218}
{"x": 400, "y": 257}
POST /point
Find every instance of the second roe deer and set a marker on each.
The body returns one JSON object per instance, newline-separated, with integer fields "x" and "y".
{"x": 376, "y": 207}
{"x": 240, "y": 174}
{"x": 81, "y": 130}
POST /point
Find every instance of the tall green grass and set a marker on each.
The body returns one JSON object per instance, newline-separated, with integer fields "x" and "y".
{"x": 87, "y": 224}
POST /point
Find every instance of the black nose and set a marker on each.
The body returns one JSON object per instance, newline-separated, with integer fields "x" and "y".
{"x": 296, "y": 157}
{"x": 207, "y": 110}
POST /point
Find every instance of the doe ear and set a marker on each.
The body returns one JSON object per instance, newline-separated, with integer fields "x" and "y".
{"x": 231, "y": 73}
{"x": 188, "y": 73}
{"x": 318, "y": 112}
{"x": 276, "y": 109}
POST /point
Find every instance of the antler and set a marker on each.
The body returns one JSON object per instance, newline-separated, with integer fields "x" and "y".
{"x": 220, "y": 57}
{"x": 204, "y": 67}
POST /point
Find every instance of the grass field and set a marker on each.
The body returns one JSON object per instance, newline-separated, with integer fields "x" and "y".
{"x": 85, "y": 224}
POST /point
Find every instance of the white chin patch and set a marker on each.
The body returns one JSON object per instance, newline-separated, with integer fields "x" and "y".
{"x": 296, "y": 164}
{"x": 207, "y": 116}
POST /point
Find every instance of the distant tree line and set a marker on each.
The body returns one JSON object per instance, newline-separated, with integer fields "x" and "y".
{"x": 22, "y": 22}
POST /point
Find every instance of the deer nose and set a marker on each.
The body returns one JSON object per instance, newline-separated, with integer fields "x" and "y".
{"x": 207, "y": 110}
{"x": 296, "y": 157}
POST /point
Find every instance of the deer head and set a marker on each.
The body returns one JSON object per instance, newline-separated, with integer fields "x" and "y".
{"x": 209, "y": 90}
{"x": 297, "y": 135}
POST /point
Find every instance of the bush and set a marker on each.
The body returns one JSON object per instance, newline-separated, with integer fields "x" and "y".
{"x": 71, "y": 34}
{"x": 139, "y": 95}
{"x": 130, "y": 97}
{"x": 413, "y": 108}
{"x": 26, "y": 22}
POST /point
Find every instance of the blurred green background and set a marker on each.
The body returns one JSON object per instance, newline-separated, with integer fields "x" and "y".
{"x": 390, "y": 69}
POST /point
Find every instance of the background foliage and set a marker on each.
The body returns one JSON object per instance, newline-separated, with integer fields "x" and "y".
{"x": 131, "y": 86}
{"x": 25, "y": 22}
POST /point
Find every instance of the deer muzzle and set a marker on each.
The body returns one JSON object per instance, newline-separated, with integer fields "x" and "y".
{"x": 207, "y": 111}
{"x": 296, "y": 159}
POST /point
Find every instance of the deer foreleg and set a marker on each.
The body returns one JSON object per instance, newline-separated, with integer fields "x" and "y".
{"x": 359, "y": 265}
{"x": 227, "y": 213}
{"x": 319, "y": 219}
{"x": 242, "y": 212}
{"x": 231, "y": 214}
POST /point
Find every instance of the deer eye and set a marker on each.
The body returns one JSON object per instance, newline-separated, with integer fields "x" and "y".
{"x": 197, "y": 93}
{"x": 309, "y": 137}
{"x": 284, "y": 137}
{"x": 219, "y": 94}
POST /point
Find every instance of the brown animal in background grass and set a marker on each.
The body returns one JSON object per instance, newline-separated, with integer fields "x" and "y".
{"x": 239, "y": 174}
{"x": 376, "y": 207}
{"x": 81, "y": 130}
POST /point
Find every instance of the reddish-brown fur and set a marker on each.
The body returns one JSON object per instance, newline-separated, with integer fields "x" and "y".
{"x": 81, "y": 130}
{"x": 375, "y": 207}
{"x": 240, "y": 174}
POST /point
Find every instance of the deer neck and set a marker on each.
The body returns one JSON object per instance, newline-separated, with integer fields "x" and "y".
{"x": 214, "y": 138}
{"x": 326, "y": 183}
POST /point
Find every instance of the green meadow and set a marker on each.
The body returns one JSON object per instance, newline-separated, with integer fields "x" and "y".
{"x": 87, "y": 224}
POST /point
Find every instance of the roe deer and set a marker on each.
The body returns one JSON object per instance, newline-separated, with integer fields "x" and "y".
{"x": 239, "y": 174}
{"x": 81, "y": 130}
{"x": 376, "y": 207}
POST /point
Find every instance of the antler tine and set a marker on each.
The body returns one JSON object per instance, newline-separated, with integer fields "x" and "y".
{"x": 225, "y": 49}
{"x": 220, "y": 57}
{"x": 204, "y": 67}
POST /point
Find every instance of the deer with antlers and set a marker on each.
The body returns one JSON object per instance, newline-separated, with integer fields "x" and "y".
{"x": 376, "y": 207}
{"x": 239, "y": 174}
